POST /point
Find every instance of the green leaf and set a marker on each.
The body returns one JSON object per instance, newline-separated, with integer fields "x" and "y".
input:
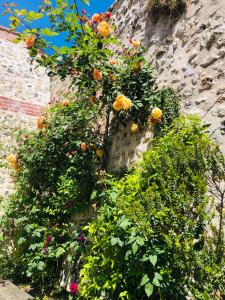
{"x": 93, "y": 195}
{"x": 149, "y": 289}
{"x": 118, "y": 241}
{"x": 21, "y": 240}
{"x": 41, "y": 266}
{"x": 156, "y": 280}
{"x": 153, "y": 259}
{"x": 123, "y": 223}
{"x": 144, "y": 280}
{"x": 60, "y": 252}
{"x": 33, "y": 16}
{"x": 134, "y": 248}
{"x": 86, "y": 2}
{"x": 48, "y": 32}
{"x": 140, "y": 241}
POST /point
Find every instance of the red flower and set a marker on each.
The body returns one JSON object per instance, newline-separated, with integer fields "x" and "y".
{"x": 84, "y": 12}
{"x": 108, "y": 15}
{"x": 81, "y": 238}
{"x": 74, "y": 288}
{"x": 48, "y": 239}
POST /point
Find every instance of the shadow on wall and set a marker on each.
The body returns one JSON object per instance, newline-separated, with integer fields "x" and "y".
{"x": 126, "y": 148}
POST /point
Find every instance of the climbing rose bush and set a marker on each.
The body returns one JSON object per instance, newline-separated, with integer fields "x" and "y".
{"x": 119, "y": 239}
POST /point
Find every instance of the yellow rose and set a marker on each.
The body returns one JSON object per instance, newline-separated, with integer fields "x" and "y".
{"x": 127, "y": 103}
{"x": 134, "y": 128}
{"x": 12, "y": 161}
{"x": 135, "y": 43}
{"x": 104, "y": 29}
{"x": 100, "y": 153}
{"x": 11, "y": 158}
{"x": 97, "y": 75}
{"x": 122, "y": 102}
{"x": 156, "y": 115}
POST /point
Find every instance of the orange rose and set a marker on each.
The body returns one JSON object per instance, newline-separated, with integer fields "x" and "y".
{"x": 97, "y": 75}
{"x": 96, "y": 18}
{"x": 41, "y": 123}
{"x": 83, "y": 147}
{"x": 135, "y": 43}
{"x": 134, "y": 128}
{"x": 104, "y": 29}
{"x": 100, "y": 153}
{"x": 65, "y": 102}
{"x": 92, "y": 146}
{"x": 30, "y": 41}
{"x": 112, "y": 61}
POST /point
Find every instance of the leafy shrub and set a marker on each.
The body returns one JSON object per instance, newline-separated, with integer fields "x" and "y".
{"x": 150, "y": 238}
{"x": 55, "y": 182}
{"x": 169, "y": 7}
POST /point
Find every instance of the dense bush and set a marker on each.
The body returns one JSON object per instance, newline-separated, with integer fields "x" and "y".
{"x": 150, "y": 238}
{"x": 170, "y": 7}
{"x": 55, "y": 180}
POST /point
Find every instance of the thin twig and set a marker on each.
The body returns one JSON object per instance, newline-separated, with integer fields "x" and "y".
{"x": 76, "y": 6}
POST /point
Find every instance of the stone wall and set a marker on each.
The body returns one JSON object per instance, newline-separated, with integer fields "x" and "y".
{"x": 24, "y": 92}
{"x": 188, "y": 54}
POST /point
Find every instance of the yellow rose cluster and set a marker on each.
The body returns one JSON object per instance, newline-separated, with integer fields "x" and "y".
{"x": 122, "y": 102}
{"x": 156, "y": 116}
{"x": 12, "y": 161}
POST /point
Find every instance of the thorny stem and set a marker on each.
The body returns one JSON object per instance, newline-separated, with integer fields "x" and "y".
{"x": 76, "y": 6}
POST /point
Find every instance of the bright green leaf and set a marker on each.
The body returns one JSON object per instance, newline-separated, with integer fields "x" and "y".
{"x": 149, "y": 289}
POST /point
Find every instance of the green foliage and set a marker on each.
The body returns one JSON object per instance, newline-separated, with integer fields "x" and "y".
{"x": 169, "y": 7}
{"x": 55, "y": 182}
{"x": 150, "y": 239}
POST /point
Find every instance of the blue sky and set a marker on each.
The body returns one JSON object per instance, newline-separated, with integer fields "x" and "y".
{"x": 95, "y": 6}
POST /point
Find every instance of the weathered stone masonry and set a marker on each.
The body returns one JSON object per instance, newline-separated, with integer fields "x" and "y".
{"x": 188, "y": 54}
{"x": 24, "y": 92}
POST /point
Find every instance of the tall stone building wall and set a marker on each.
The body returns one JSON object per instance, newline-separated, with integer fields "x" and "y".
{"x": 24, "y": 92}
{"x": 188, "y": 54}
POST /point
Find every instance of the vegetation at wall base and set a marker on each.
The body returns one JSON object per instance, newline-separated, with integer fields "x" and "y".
{"x": 71, "y": 231}
{"x": 167, "y": 7}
